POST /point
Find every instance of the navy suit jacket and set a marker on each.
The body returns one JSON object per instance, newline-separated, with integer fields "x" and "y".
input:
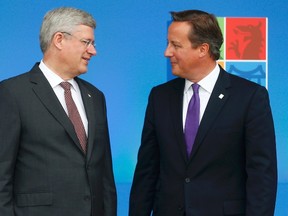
{"x": 43, "y": 170}
{"x": 232, "y": 168}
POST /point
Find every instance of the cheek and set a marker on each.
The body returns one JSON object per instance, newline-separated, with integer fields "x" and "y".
{"x": 181, "y": 55}
{"x": 182, "y": 60}
{"x": 188, "y": 60}
{"x": 75, "y": 52}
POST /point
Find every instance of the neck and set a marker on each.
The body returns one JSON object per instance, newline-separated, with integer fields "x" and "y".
{"x": 56, "y": 68}
{"x": 201, "y": 72}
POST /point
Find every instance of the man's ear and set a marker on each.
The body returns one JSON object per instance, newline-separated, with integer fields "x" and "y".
{"x": 204, "y": 49}
{"x": 57, "y": 40}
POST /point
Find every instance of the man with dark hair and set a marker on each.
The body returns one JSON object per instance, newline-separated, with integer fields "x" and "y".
{"x": 55, "y": 157}
{"x": 208, "y": 141}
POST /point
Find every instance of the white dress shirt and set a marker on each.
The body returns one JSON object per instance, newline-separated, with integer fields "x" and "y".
{"x": 55, "y": 81}
{"x": 206, "y": 87}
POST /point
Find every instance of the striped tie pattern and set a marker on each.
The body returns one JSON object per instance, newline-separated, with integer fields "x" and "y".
{"x": 74, "y": 115}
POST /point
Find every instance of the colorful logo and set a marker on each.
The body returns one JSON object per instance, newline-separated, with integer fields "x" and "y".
{"x": 244, "y": 50}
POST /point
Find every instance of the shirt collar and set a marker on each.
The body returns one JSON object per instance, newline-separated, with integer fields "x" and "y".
{"x": 53, "y": 78}
{"x": 207, "y": 83}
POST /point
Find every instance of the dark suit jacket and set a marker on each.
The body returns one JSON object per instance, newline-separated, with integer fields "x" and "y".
{"x": 232, "y": 168}
{"x": 43, "y": 171}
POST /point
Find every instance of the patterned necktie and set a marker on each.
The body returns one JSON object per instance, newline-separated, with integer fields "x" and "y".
{"x": 192, "y": 118}
{"x": 74, "y": 115}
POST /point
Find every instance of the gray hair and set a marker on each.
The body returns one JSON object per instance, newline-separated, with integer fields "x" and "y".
{"x": 63, "y": 19}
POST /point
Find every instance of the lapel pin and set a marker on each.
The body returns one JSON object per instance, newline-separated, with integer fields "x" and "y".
{"x": 221, "y": 96}
{"x": 89, "y": 95}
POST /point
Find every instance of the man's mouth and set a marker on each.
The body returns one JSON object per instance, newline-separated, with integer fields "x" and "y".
{"x": 86, "y": 59}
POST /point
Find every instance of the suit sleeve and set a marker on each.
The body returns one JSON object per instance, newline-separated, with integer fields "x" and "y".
{"x": 261, "y": 165}
{"x": 9, "y": 136}
{"x": 144, "y": 184}
{"x": 110, "y": 198}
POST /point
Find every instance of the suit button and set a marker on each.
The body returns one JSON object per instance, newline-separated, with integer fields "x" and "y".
{"x": 187, "y": 180}
{"x": 87, "y": 198}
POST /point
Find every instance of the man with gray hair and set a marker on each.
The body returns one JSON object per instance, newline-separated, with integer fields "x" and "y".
{"x": 55, "y": 156}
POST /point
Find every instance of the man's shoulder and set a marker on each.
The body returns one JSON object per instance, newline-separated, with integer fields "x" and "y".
{"x": 15, "y": 80}
{"x": 240, "y": 82}
{"x": 167, "y": 89}
{"x": 22, "y": 77}
{"x": 177, "y": 83}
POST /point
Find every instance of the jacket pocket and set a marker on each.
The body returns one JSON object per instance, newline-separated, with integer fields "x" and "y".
{"x": 33, "y": 199}
{"x": 234, "y": 207}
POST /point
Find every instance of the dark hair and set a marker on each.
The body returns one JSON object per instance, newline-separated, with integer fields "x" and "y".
{"x": 204, "y": 29}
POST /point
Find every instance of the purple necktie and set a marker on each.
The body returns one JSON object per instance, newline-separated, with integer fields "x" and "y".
{"x": 74, "y": 115}
{"x": 192, "y": 118}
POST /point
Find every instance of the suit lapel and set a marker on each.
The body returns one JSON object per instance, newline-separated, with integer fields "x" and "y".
{"x": 90, "y": 113}
{"x": 176, "y": 106}
{"x": 217, "y": 100}
{"x": 48, "y": 98}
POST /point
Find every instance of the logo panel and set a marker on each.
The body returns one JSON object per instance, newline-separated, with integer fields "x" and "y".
{"x": 244, "y": 51}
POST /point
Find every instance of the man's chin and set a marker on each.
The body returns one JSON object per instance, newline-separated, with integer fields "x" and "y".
{"x": 82, "y": 72}
{"x": 175, "y": 73}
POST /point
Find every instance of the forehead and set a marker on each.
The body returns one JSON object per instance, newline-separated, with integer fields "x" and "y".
{"x": 83, "y": 29}
{"x": 179, "y": 30}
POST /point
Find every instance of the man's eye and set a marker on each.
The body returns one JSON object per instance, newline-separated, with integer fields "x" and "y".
{"x": 86, "y": 42}
{"x": 176, "y": 45}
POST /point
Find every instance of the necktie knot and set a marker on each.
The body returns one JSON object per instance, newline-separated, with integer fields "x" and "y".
{"x": 195, "y": 88}
{"x": 65, "y": 85}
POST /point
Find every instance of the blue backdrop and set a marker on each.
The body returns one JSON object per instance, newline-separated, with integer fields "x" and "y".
{"x": 131, "y": 39}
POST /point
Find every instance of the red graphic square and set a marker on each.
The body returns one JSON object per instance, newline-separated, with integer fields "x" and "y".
{"x": 246, "y": 38}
